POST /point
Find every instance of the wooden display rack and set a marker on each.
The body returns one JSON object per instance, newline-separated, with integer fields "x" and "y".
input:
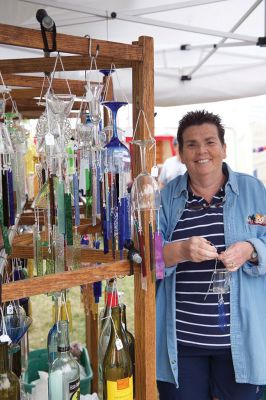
{"x": 139, "y": 56}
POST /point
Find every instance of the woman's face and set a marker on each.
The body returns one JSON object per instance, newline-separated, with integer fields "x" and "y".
{"x": 202, "y": 151}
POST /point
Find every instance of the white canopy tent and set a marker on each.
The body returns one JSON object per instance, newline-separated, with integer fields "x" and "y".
{"x": 221, "y": 56}
{"x": 235, "y": 68}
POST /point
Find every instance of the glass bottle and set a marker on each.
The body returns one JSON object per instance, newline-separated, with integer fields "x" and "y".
{"x": 130, "y": 337}
{"x": 111, "y": 300}
{"x": 9, "y": 382}
{"x": 52, "y": 344}
{"x": 105, "y": 331}
{"x": 117, "y": 365}
{"x": 64, "y": 374}
{"x": 52, "y": 338}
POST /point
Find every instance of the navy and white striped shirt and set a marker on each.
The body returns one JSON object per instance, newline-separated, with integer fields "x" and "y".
{"x": 197, "y": 320}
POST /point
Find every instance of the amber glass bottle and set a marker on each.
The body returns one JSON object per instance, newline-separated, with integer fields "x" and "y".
{"x": 130, "y": 338}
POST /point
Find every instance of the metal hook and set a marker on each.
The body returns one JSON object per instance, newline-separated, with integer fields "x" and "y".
{"x": 89, "y": 49}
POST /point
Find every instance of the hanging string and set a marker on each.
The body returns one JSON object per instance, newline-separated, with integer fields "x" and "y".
{"x": 58, "y": 57}
{"x": 46, "y": 77}
{"x": 93, "y": 61}
{"x": 141, "y": 112}
{"x": 109, "y": 77}
{"x": 5, "y": 88}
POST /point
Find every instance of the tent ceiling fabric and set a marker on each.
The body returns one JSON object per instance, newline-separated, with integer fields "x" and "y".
{"x": 231, "y": 72}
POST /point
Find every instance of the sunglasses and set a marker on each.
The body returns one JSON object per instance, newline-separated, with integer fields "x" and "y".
{"x": 204, "y": 206}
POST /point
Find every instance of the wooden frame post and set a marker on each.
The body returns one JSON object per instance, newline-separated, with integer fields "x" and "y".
{"x": 143, "y": 99}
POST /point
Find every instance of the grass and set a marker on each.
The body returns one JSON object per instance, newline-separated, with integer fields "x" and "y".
{"x": 42, "y": 313}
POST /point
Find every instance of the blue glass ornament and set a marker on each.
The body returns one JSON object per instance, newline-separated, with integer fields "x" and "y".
{"x": 118, "y": 156}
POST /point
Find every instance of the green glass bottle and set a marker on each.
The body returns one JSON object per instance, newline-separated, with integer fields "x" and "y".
{"x": 64, "y": 374}
{"x": 130, "y": 338}
{"x": 111, "y": 300}
{"x": 117, "y": 365}
{"x": 9, "y": 382}
{"x": 111, "y": 297}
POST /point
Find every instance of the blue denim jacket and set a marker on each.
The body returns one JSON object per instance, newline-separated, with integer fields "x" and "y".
{"x": 245, "y": 195}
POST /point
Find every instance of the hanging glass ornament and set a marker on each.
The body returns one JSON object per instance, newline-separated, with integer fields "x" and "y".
{"x": 117, "y": 152}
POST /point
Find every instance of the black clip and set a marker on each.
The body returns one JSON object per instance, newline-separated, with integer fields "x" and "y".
{"x": 133, "y": 255}
{"x": 47, "y": 25}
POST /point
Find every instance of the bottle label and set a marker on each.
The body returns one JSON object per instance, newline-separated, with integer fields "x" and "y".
{"x": 118, "y": 344}
{"x": 63, "y": 349}
{"x": 74, "y": 390}
{"x": 9, "y": 309}
{"x": 122, "y": 389}
{"x": 154, "y": 171}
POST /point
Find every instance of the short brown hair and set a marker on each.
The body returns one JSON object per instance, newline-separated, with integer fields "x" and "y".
{"x": 199, "y": 117}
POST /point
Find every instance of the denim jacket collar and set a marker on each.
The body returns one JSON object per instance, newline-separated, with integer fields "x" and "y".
{"x": 181, "y": 186}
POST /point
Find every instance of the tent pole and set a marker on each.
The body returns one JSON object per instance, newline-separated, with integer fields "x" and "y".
{"x": 242, "y": 19}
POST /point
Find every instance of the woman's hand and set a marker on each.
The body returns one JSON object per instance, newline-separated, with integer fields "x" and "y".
{"x": 236, "y": 255}
{"x": 194, "y": 249}
{"x": 198, "y": 249}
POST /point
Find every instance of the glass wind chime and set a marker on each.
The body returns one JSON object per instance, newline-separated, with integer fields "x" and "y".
{"x": 104, "y": 168}
{"x": 117, "y": 167}
{"x": 117, "y": 175}
{"x": 80, "y": 164}
{"x": 145, "y": 198}
{"x": 7, "y": 164}
{"x": 58, "y": 192}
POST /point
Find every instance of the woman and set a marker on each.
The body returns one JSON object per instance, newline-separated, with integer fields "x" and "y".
{"x": 208, "y": 344}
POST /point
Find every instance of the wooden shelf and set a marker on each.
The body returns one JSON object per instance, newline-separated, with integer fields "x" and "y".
{"x": 32, "y": 38}
{"x": 56, "y": 282}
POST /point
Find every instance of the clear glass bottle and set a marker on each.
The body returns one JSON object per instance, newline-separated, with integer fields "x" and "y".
{"x": 64, "y": 374}
{"x": 52, "y": 338}
{"x": 52, "y": 344}
{"x": 117, "y": 365}
{"x": 9, "y": 382}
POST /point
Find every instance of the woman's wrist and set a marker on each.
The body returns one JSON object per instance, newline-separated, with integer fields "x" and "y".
{"x": 252, "y": 255}
{"x": 173, "y": 253}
